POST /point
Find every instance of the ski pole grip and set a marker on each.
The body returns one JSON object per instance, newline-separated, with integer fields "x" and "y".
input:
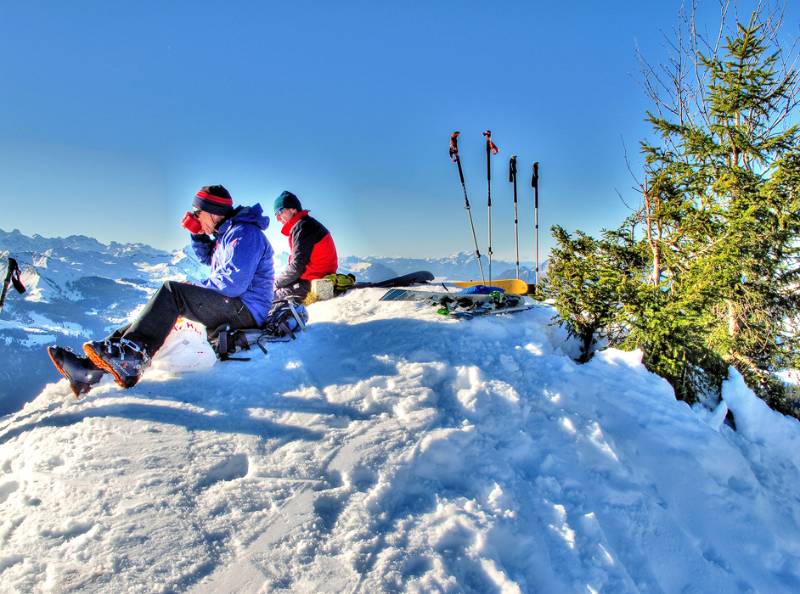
{"x": 454, "y": 146}
{"x": 454, "y": 154}
{"x": 490, "y": 145}
{"x": 12, "y": 277}
{"x": 512, "y": 168}
{"x": 14, "y": 272}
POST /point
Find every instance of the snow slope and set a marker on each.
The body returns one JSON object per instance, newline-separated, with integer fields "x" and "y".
{"x": 392, "y": 450}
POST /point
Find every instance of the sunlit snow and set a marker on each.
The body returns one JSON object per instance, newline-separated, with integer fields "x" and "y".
{"x": 389, "y": 449}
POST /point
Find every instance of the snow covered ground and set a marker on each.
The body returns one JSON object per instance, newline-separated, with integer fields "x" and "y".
{"x": 392, "y": 450}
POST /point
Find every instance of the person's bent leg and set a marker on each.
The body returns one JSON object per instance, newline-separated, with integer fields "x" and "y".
{"x": 199, "y": 304}
{"x": 127, "y": 355}
{"x": 118, "y": 333}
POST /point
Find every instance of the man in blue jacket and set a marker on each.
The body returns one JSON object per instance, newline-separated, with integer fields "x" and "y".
{"x": 238, "y": 292}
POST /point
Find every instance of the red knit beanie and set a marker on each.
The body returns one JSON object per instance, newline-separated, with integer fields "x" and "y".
{"x": 213, "y": 199}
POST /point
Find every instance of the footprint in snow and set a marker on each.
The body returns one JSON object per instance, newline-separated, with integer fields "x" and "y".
{"x": 235, "y": 467}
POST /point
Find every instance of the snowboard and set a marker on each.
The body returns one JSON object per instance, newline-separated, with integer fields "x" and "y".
{"x": 421, "y": 277}
{"x": 511, "y": 285}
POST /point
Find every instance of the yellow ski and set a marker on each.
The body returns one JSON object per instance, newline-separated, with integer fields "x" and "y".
{"x": 514, "y": 286}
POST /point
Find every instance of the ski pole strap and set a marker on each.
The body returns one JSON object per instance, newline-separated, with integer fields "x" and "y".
{"x": 300, "y": 323}
{"x": 490, "y": 146}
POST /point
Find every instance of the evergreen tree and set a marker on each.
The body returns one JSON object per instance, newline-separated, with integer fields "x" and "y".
{"x": 585, "y": 279}
{"x": 706, "y": 273}
{"x": 735, "y": 171}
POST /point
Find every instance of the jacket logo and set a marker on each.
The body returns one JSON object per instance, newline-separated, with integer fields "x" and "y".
{"x": 223, "y": 259}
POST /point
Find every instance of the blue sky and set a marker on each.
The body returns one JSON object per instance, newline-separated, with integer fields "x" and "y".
{"x": 114, "y": 114}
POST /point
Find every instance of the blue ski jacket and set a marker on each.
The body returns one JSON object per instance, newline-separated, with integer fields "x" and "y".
{"x": 240, "y": 257}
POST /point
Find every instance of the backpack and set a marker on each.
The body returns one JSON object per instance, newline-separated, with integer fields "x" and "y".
{"x": 284, "y": 321}
{"x": 341, "y": 282}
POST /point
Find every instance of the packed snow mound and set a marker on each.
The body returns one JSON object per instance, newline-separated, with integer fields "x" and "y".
{"x": 389, "y": 449}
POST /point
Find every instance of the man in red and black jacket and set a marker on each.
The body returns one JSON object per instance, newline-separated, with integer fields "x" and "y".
{"x": 312, "y": 253}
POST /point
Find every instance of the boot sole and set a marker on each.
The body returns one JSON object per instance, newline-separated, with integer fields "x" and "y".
{"x": 77, "y": 388}
{"x": 99, "y": 362}
{"x": 56, "y": 363}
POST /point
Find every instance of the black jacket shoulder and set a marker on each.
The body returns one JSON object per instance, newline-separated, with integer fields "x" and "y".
{"x": 308, "y": 229}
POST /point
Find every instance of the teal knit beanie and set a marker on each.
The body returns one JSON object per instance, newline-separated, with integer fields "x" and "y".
{"x": 286, "y": 200}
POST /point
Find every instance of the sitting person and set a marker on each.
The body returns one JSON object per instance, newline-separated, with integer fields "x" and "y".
{"x": 238, "y": 292}
{"x": 312, "y": 251}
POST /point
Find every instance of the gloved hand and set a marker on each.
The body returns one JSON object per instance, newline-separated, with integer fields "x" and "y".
{"x": 191, "y": 224}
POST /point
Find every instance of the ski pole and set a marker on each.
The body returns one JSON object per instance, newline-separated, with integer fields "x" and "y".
{"x": 491, "y": 149}
{"x": 457, "y": 160}
{"x": 535, "y": 184}
{"x": 512, "y": 177}
{"x": 12, "y": 276}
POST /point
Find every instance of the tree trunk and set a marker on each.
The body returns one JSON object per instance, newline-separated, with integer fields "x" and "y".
{"x": 733, "y": 319}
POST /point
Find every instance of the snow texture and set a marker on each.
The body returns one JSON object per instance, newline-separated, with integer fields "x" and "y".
{"x": 389, "y": 449}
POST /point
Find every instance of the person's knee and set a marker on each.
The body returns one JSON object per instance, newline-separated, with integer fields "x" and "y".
{"x": 169, "y": 289}
{"x": 171, "y": 286}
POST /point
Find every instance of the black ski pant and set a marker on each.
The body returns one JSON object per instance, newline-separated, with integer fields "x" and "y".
{"x": 175, "y": 299}
{"x": 296, "y": 292}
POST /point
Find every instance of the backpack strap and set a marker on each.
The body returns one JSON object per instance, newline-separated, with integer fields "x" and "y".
{"x": 300, "y": 323}
{"x": 225, "y": 342}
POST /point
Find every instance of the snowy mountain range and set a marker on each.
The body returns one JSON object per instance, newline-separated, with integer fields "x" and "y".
{"x": 391, "y": 449}
{"x": 80, "y": 289}
{"x": 461, "y": 265}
